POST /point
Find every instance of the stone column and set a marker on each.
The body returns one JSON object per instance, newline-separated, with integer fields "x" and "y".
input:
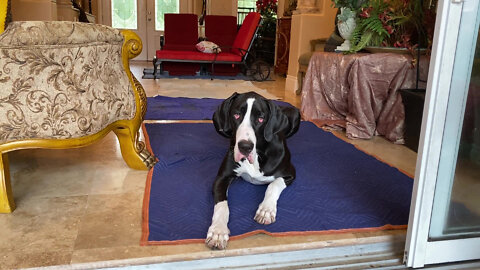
{"x": 306, "y": 6}
{"x": 313, "y": 19}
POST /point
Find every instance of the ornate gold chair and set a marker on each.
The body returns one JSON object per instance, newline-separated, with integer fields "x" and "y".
{"x": 64, "y": 85}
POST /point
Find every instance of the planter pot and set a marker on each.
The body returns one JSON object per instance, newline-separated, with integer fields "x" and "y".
{"x": 413, "y": 100}
{"x": 346, "y": 28}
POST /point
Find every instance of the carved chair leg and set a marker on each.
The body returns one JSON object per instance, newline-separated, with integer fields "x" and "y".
{"x": 134, "y": 151}
{"x": 7, "y": 205}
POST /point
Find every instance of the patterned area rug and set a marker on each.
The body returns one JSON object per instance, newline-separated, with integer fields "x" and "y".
{"x": 338, "y": 188}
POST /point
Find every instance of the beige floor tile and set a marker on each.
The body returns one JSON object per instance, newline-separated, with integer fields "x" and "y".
{"x": 110, "y": 221}
{"x": 42, "y": 225}
{"x": 395, "y": 155}
{"x": 34, "y": 259}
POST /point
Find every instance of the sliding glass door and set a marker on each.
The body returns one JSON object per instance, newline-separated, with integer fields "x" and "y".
{"x": 444, "y": 221}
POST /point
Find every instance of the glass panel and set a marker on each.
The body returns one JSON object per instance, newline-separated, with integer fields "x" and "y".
{"x": 456, "y": 210}
{"x": 464, "y": 210}
{"x": 245, "y": 7}
{"x": 124, "y": 14}
{"x": 162, "y": 7}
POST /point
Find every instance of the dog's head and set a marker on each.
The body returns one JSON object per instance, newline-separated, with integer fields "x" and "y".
{"x": 250, "y": 119}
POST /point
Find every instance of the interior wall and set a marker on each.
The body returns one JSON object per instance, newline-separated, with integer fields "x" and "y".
{"x": 34, "y": 10}
{"x": 306, "y": 27}
{"x": 222, "y": 7}
{"x": 50, "y": 10}
{"x": 281, "y": 7}
{"x": 97, "y": 10}
{"x": 197, "y": 7}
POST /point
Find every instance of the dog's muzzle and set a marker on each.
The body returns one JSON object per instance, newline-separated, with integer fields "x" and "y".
{"x": 245, "y": 148}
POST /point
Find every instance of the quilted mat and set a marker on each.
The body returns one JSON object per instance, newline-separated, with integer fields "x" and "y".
{"x": 182, "y": 108}
{"x": 338, "y": 188}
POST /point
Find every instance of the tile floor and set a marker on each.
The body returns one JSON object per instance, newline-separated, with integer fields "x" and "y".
{"x": 84, "y": 205}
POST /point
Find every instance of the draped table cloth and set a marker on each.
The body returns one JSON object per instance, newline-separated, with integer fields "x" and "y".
{"x": 359, "y": 92}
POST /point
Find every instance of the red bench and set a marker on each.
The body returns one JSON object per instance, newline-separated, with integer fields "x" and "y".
{"x": 236, "y": 55}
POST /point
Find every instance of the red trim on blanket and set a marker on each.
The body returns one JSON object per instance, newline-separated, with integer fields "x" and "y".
{"x": 281, "y": 234}
{"x": 147, "y": 138}
{"x": 146, "y": 196}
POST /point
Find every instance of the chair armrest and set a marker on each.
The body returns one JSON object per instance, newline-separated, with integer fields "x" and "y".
{"x": 315, "y": 42}
{"x": 242, "y": 51}
{"x": 57, "y": 33}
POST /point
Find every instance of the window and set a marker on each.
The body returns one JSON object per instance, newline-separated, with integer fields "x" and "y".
{"x": 162, "y": 7}
{"x": 244, "y": 7}
{"x": 124, "y": 14}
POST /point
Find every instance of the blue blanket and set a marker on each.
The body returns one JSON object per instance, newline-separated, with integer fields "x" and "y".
{"x": 337, "y": 187}
{"x": 170, "y": 108}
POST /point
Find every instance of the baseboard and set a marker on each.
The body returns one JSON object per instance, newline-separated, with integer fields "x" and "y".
{"x": 291, "y": 84}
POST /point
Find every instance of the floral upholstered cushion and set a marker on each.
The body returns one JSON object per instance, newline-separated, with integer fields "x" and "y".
{"x": 61, "y": 80}
{"x": 208, "y": 47}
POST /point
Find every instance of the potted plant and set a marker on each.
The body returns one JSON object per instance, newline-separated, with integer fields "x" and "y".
{"x": 268, "y": 11}
{"x": 394, "y": 23}
{"x": 265, "y": 43}
{"x": 347, "y": 20}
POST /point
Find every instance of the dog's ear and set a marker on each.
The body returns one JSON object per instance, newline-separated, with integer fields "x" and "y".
{"x": 293, "y": 115}
{"x": 221, "y": 117}
{"x": 282, "y": 120}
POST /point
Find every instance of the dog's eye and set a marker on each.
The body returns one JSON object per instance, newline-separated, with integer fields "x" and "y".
{"x": 260, "y": 119}
{"x": 236, "y": 116}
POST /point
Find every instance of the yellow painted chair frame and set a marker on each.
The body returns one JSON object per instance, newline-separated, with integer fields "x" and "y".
{"x": 133, "y": 150}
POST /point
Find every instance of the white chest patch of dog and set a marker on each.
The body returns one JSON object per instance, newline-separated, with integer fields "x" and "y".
{"x": 251, "y": 172}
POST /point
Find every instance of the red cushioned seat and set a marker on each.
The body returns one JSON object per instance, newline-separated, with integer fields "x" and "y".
{"x": 181, "y": 31}
{"x": 197, "y": 56}
{"x": 246, "y": 32}
{"x": 221, "y": 30}
{"x": 187, "y": 25}
{"x": 240, "y": 46}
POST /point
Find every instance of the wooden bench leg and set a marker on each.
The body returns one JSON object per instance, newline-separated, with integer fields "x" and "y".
{"x": 300, "y": 78}
{"x": 155, "y": 68}
{"x": 7, "y": 205}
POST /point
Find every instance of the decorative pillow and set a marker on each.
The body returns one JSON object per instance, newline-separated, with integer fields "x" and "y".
{"x": 208, "y": 47}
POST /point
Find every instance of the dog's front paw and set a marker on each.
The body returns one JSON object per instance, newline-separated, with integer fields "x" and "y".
{"x": 266, "y": 213}
{"x": 243, "y": 167}
{"x": 217, "y": 237}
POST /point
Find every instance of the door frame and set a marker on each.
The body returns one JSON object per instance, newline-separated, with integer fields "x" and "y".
{"x": 419, "y": 251}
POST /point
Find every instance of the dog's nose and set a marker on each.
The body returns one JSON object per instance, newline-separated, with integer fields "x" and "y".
{"x": 245, "y": 147}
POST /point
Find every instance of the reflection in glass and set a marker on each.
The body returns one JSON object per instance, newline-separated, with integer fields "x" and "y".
{"x": 161, "y": 8}
{"x": 464, "y": 210}
{"x": 461, "y": 218}
{"x": 124, "y": 14}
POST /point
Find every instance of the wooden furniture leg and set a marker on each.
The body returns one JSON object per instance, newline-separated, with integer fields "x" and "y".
{"x": 134, "y": 151}
{"x": 7, "y": 205}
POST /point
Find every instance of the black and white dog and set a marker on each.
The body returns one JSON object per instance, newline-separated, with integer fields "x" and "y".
{"x": 258, "y": 152}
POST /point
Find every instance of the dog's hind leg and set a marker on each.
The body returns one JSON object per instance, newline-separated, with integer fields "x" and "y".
{"x": 267, "y": 210}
